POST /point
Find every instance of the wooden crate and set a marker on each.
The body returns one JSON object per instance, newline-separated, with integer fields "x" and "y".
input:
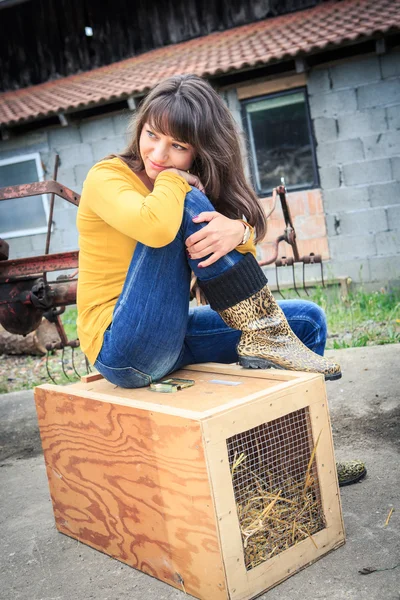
{"x": 146, "y": 477}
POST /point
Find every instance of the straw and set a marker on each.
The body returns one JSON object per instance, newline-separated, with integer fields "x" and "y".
{"x": 273, "y": 518}
{"x": 388, "y": 517}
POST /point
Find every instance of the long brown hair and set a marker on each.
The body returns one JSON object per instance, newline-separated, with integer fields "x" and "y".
{"x": 187, "y": 108}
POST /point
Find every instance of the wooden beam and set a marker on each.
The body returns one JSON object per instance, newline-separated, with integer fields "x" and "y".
{"x": 270, "y": 86}
{"x": 63, "y": 119}
{"x": 301, "y": 65}
{"x": 91, "y": 377}
{"x": 131, "y": 101}
{"x": 4, "y": 133}
{"x": 380, "y": 46}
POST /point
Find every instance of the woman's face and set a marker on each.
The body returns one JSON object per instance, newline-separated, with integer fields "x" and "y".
{"x": 161, "y": 152}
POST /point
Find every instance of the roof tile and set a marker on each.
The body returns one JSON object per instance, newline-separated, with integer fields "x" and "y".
{"x": 327, "y": 25}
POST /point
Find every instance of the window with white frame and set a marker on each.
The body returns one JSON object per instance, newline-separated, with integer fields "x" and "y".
{"x": 22, "y": 216}
{"x": 281, "y": 141}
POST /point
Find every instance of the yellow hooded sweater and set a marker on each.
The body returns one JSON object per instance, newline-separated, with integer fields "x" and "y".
{"x": 116, "y": 211}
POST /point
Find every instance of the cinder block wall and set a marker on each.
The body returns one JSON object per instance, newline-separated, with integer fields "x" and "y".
{"x": 79, "y": 146}
{"x": 355, "y": 108}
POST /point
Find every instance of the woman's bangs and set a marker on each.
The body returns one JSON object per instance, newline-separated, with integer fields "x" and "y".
{"x": 171, "y": 116}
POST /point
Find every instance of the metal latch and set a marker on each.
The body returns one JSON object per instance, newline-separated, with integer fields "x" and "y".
{"x": 170, "y": 386}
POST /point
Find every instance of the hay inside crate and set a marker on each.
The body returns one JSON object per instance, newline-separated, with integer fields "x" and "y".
{"x": 275, "y": 486}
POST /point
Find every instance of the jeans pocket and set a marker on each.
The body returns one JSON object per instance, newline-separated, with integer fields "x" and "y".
{"x": 125, "y": 377}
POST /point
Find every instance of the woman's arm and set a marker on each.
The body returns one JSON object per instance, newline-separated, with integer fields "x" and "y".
{"x": 153, "y": 220}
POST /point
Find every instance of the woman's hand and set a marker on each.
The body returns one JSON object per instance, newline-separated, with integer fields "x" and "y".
{"x": 219, "y": 237}
{"x": 192, "y": 180}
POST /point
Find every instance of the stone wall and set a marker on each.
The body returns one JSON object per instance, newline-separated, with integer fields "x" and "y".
{"x": 355, "y": 108}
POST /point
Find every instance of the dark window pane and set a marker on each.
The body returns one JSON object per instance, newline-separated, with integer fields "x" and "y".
{"x": 21, "y": 213}
{"x": 281, "y": 141}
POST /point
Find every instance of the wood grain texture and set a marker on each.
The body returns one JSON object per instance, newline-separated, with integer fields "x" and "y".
{"x": 133, "y": 484}
{"x": 91, "y": 377}
{"x": 271, "y": 375}
{"x": 270, "y": 85}
{"x": 211, "y": 393}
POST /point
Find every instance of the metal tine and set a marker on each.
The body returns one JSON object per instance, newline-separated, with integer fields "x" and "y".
{"x": 73, "y": 362}
{"x": 62, "y": 363}
{"x": 294, "y": 280}
{"x": 304, "y": 279}
{"x": 322, "y": 274}
{"x": 88, "y": 369}
{"x": 277, "y": 282}
{"x": 47, "y": 368}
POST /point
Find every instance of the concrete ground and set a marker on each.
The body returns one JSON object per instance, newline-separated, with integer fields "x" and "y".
{"x": 38, "y": 563}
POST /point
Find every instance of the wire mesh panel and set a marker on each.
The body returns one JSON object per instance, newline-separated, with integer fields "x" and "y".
{"x": 275, "y": 485}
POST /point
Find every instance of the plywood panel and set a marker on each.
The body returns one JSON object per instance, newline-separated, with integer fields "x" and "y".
{"x": 216, "y": 386}
{"x": 133, "y": 484}
{"x": 261, "y": 408}
{"x": 272, "y": 375}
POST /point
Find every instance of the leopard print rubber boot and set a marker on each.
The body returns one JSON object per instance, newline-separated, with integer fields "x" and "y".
{"x": 268, "y": 341}
{"x": 350, "y": 471}
{"x": 242, "y": 297}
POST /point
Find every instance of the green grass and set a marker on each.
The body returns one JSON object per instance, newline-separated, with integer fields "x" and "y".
{"x": 69, "y": 321}
{"x": 361, "y": 319}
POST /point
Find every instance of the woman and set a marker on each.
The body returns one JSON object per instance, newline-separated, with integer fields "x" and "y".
{"x": 177, "y": 201}
{"x": 173, "y": 203}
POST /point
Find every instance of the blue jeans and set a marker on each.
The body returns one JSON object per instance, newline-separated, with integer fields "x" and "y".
{"x": 153, "y": 333}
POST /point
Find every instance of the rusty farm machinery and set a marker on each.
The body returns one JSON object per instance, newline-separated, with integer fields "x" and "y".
{"x": 289, "y": 236}
{"x": 26, "y": 294}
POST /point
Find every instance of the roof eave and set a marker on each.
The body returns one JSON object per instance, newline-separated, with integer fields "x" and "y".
{"x": 244, "y": 66}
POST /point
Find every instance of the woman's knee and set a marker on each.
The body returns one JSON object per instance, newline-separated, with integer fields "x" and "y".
{"x": 308, "y": 321}
{"x": 316, "y": 316}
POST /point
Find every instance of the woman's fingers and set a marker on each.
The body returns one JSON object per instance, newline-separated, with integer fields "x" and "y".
{"x": 199, "y": 185}
{"x": 191, "y": 179}
{"x": 212, "y": 259}
{"x": 205, "y": 250}
{"x": 210, "y": 241}
{"x": 207, "y": 247}
{"x": 195, "y": 181}
{"x": 204, "y": 232}
{"x": 216, "y": 239}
